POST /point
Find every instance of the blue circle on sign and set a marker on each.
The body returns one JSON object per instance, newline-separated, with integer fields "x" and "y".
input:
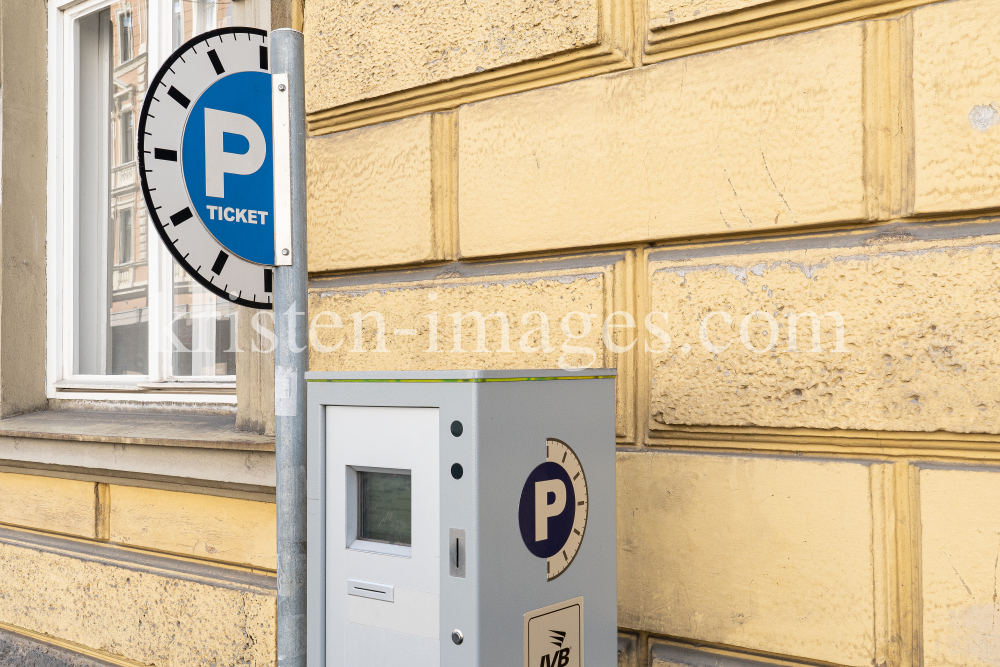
{"x": 547, "y": 509}
{"x": 228, "y": 168}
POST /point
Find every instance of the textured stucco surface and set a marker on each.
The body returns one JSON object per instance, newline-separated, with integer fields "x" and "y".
{"x": 146, "y": 617}
{"x": 359, "y": 50}
{"x": 919, "y": 344}
{"x": 750, "y": 552}
{"x": 406, "y": 306}
{"x": 225, "y": 529}
{"x": 756, "y": 137}
{"x": 370, "y": 196}
{"x": 57, "y": 505}
{"x": 960, "y": 517}
{"x": 23, "y": 166}
{"x": 19, "y": 651}
{"x": 665, "y": 13}
{"x": 956, "y": 106}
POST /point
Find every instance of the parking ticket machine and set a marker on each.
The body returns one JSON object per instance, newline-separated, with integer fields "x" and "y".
{"x": 462, "y": 518}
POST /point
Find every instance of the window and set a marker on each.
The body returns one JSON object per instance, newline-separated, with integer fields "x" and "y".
{"x": 177, "y": 24}
{"x": 126, "y": 139}
{"x": 121, "y": 314}
{"x": 124, "y": 37}
{"x": 124, "y": 236}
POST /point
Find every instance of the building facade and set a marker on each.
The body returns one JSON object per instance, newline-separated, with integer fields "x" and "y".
{"x": 778, "y": 221}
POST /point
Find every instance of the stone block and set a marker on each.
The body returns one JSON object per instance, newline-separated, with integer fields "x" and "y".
{"x": 890, "y": 333}
{"x": 665, "y": 13}
{"x": 757, "y": 137}
{"x": 224, "y": 529}
{"x": 956, "y": 108}
{"x": 360, "y": 50}
{"x": 673, "y": 655}
{"x": 369, "y": 196}
{"x": 47, "y": 503}
{"x": 748, "y": 552}
{"x": 418, "y": 323}
{"x": 628, "y": 654}
{"x": 523, "y": 315}
{"x": 960, "y": 535}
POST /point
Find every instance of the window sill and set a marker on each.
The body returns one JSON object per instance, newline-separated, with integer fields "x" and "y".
{"x": 171, "y": 429}
{"x": 117, "y": 385}
{"x": 145, "y": 392}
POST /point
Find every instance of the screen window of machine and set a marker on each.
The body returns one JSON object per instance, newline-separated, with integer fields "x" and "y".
{"x": 384, "y": 507}
{"x": 379, "y": 510}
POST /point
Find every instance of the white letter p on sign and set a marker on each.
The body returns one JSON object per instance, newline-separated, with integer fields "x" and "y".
{"x": 218, "y": 163}
{"x": 542, "y": 508}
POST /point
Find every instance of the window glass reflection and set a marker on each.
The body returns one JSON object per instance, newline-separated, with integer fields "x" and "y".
{"x": 204, "y": 326}
{"x": 111, "y": 299}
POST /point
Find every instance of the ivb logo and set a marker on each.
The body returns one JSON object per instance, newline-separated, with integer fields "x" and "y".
{"x": 561, "y": 656}
{"x": 553, "y": 635}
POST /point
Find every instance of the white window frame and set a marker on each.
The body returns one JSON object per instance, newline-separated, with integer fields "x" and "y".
{"x": 61, "y": 382}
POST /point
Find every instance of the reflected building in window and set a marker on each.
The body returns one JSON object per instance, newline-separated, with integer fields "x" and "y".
{"x": 203, "y": 325}
{"x": 129, "y": 309}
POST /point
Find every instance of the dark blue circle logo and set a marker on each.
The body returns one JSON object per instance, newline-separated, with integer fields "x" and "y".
{"x": 228, "y": 166}
{"x": 547, "y": 509}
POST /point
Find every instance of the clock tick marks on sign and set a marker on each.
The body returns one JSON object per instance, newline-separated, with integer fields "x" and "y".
{"x": 220, "y": 262}
{"x": 180, "y": 216}
{"x": 216, "y": 63}
{"x": 164, "y": 154}
{"x": 179, "y": 97}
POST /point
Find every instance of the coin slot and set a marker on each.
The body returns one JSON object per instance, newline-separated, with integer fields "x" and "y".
{"x": 456, "y": 552}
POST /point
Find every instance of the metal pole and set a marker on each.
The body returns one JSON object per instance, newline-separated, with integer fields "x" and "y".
{"x": 290, "y": 362}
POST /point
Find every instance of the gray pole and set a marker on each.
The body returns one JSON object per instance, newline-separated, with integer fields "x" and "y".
{"x": 290, "y": 362}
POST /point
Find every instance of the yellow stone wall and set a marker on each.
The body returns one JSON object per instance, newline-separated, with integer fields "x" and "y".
{"x": 140, "y": 613}
{"x": 788, "y": 494}
{"x": 158, "y": 578}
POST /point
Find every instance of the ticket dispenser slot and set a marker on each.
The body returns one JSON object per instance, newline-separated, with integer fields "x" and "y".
{"x": 461, "y": 519}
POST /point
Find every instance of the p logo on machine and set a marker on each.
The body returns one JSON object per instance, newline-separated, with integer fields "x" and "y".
{"x": 206, "y": 162}
{"x": 553, "y": 635}
{"x": 553, "y": 509}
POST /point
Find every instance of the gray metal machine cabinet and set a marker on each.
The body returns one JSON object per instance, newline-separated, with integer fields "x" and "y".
{"x": 462, "y": 518}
